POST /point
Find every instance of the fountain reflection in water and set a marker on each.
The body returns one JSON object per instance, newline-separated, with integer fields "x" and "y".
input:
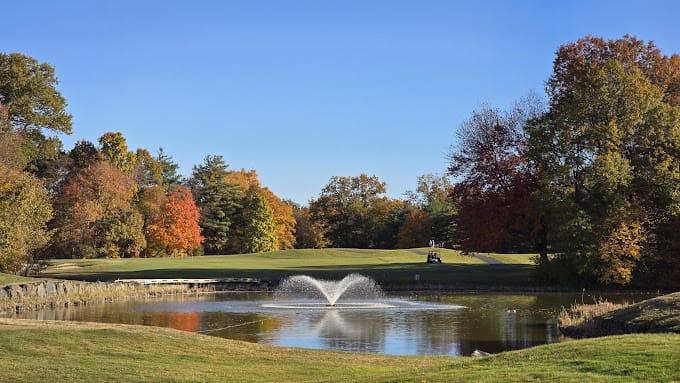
{"x": 353, "y": 286}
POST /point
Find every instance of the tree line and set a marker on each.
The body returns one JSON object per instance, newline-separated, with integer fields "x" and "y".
{"x": 103, "y": 199}
{"x": 588, "y": 178}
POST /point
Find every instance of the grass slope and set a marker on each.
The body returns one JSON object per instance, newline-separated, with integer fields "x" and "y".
{"x": 8, "y": 279}
{"x": 34, "y": 351}
{"x": 383, "y": 265}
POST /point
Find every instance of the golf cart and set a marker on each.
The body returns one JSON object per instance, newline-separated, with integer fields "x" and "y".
{"x": 433, "y": 257}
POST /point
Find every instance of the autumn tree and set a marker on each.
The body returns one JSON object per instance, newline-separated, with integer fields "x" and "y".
{"x": 356, "y": 212}
{"x": 28, "y": 90}
{"x": 147, "y": 171}
{"x": 96, "y": 216}
{"x": 218, "y": 202}
{"x": 12, "y": 143}
{"x": 25, "y": 209}
{"x": 4, "y": 117}
{"x": 415, "y": 231}
{"x": 577, "y": 60}
{"x": 309, "y": 234}
{"x": 58, "y": 170}
{"x": 282, "y": 212}
{"x": 149, "y": 202}
{"x": 493, "y": 180}
{"x": 174, "y": 229}
{"x": 259, "y": 232}
{"x": 385, "y": 217}
{"x": 115, "y": 150}
{"x": 606, "y": 155}
{"x": 433, "y": 197}
{"x": 11, "y": 153}
{"x": 84, "y": 154}
{"x": 55, "y": 172}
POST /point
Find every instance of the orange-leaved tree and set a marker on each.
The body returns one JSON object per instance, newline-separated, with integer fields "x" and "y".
{"x": 284, "y": 220}
{"x": 416, "y": 231}
{"x": 174, "y": 230}
{"x": 96, "y": 216}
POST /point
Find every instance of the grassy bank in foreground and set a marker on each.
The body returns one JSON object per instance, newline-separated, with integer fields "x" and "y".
{"x": 383, "y": 265}
{"x": 32, "y": 351}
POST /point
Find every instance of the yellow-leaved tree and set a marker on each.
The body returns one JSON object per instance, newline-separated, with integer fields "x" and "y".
{"x": 282, "y": 212}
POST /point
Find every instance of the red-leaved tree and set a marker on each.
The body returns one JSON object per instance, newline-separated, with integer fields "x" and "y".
{"x": 493, "y": 181}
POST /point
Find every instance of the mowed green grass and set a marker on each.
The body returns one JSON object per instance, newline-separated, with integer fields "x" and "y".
{"x": 8, "y": 279}
{"x": 513, "y": 259}
{"x": 383, "y": 265}
{"x": 34, "y": 351}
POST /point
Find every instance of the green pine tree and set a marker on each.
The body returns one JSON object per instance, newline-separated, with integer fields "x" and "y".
{"x": 169, "y": 168}
{"x": 218, "y": 202}
{"x": 259, "y": 232}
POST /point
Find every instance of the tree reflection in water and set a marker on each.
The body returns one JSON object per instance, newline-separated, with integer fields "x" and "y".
{"x": 490, "y": 322}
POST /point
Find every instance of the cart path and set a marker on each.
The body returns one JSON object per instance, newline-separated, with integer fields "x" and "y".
{"x": 489, "y": 260}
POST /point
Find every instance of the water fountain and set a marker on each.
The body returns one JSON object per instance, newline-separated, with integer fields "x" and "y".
{"x": 309, "y": 292}
{"x": 353, "y": 292}
{"x": 354, "y": 286}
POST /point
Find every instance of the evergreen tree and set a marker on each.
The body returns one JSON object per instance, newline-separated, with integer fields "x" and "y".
{"x": 218, "y": 201}
{"x": 169, "y": 168}
{"x": 259, "y": 233}
{"x": 282, "y": 211}
{"x": 84, "y": 154}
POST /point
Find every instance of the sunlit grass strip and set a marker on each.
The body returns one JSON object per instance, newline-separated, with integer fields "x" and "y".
{"x": 391, "y": 268}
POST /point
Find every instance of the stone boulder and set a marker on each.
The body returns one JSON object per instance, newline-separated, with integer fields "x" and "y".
{"x": 50, "y": 288}
{"x": 40, "y": 290}
{"x": 479, "y": 354}
{"x": 16, "y": 291}
{"x": 30, "y": 289}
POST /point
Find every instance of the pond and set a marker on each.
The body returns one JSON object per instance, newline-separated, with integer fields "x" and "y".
{"x": 427, "y": 324}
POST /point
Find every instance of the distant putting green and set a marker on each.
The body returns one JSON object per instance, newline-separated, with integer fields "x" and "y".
{"x": 33, "y": 351}
{"x": 386, "y": 266}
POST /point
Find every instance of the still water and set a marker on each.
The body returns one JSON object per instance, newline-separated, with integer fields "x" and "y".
{"x": 429, "y": 324}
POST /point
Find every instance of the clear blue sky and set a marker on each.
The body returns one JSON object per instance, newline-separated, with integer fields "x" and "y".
{"x": 303, "y": 90}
